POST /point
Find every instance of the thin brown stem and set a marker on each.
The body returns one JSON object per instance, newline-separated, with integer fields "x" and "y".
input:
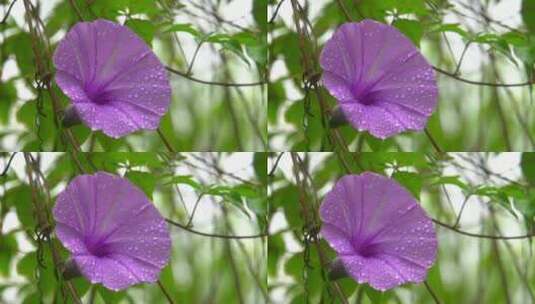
{"x": 433, "y": 141}
{"x": 489, "y": 84}
{"x": 461, "y": 211}
{"x": 214, "y": 235}
{"x": 275, "y": 165}
{"x": 8, "y": 12}
{"x": 431, "y": 292}
{"x": 165, "y": 141}
{"x": 165, "y": 293}
{"x": 276, "y": 12}
{"x": 483, "y": 236}
{"x": 216, "y": 83}
{"x": 4, "y": 172}
{"x": 190, "y": 220}
{"x": 344, "y": 10}
{"x": 76, "y": 10}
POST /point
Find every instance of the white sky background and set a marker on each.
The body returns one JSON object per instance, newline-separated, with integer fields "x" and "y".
{"x": 505, "y": 164}
{"x": 238, "y": 164}
{"x": 206, "y": 64}
{"x": 507, "y": 12}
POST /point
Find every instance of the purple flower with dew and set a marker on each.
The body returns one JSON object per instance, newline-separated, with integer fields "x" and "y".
{"x": 115, "y": 234}
{"x": 380, "y": 233}
{"x": 382, "y": 82}
{"x": 114, "y": 80}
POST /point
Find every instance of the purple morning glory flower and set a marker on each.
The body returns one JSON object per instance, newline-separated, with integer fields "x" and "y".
{"x": 114, "y": 80}
{"x": 382, "y": 82}
{"x": 380, "y": 233}
{"x": 115, "y": 234}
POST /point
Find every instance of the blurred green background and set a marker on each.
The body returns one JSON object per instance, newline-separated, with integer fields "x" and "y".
{"x": 484, "y": 193}
{"x": 489, "y": 41}
{"x": 218, "y": 193}
{"x": 215, "y": 41}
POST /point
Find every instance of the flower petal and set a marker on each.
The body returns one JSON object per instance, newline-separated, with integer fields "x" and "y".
{"x": 108, "y": 271}
{"x": 337, "y": 238}
{"x": 110, "y": 67}
{"x": 382, "y": 235}
{"x": 108, "y": 223}
{"x": 382, "y": 81}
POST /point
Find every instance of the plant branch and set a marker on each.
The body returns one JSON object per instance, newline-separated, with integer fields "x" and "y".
{"x": 483, "y": 236}
{"x": 433, "y": 141}
{"x": 165, "y": 293}
{"x": 216, "y": 83}
{"x": 489, "y": 84}
{"x": 276, "y": 12}
{"x": 8, "y": 163}
{"x": 272, "y": 171}
{"x": 221, "y": 236}
{"x": 165, "y": 141}
{"x": 8, "y": 12}
{"x": 431, "y": 292}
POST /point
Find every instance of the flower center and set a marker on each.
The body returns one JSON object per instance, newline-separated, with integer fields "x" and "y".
{"x": 96, "y": 94}
{"x": 364, "y": 95}
{"x": 98, "y": 249}
{"x": 365, "y": 248}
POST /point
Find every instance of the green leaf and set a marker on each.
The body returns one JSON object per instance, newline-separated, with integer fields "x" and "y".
{"x": 187, "y": 180}
{"x": 450, "y": 27}
{"x": 184, "y": 27}
{"x": 287, "y": 46}
{"x": 144, "y": 28}
{"x": 411, "y": 28}
{"x": 149, "y": 7}
{"x": 144, "y": 180}
{"x": 233, "y": 43}
{"x": 276, "y": 248}
{"x": 528, "y": 14}
{"x": 377, "y": 297}
{"x": 527, "y": 164}
{"x": 8, "y": 96}
{"x": 20, "y": 45}
{"x": 259, "y": 206}
{"x": 260, "y": 166}
{"x": 111, "y": 297}
{"x": 260, "y": 14}
{"x": 27, "y": 265}
{"x": 410, "y": 180}
{"x": 58, "y": 18}
{"x": 32, "y": 298}
{"x": 20, "y": 198}
{"x": 450, "y": 180}
{"x": 8, "y": 249}
{"x": 109, "y": 9}
{"x": 294, "y": 266}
